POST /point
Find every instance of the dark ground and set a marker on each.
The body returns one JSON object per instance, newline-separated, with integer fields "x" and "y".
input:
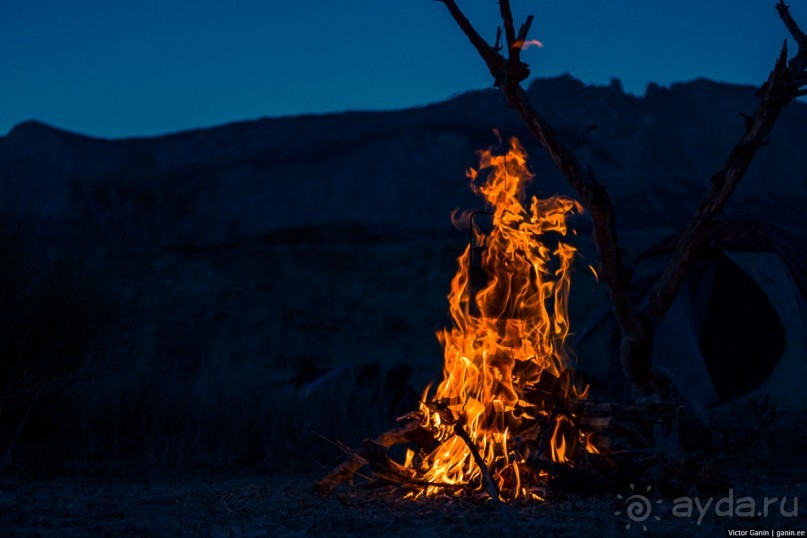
{"x": 253, "y": 504}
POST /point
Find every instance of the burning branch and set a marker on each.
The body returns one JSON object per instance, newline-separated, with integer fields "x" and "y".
{"x": 487, "y": 480}
{"x": 785, "y": 83}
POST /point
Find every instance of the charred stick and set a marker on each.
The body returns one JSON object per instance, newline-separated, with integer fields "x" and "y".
{"x": 487, "y": 479}
{"x": 547, "y": 431}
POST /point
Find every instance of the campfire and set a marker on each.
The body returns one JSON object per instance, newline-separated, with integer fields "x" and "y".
{"x": 507, "y": 417}
{"x": 508, "y": 421}
{"x": 505, "y": 355}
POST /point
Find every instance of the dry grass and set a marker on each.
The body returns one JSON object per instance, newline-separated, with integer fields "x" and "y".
{"x": 51, "y": 321}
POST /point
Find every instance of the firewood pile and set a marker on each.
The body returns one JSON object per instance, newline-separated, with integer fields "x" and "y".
{"x": 616, "y": 447}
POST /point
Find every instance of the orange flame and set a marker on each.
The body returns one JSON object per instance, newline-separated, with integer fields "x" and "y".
{"x": 521, "y": 44}
{"x": 512, "y": 339}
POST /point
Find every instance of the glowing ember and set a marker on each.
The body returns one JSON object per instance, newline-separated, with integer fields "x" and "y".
{"x": 507, "y": 343}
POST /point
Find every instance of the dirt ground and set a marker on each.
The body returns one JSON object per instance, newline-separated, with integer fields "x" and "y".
{"x": 256, "y": 504}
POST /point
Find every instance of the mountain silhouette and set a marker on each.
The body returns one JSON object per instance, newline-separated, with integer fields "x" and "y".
{"x": 398, "y": 170}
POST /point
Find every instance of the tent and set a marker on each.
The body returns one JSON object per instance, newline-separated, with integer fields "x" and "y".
{"x": 738, "y": 328}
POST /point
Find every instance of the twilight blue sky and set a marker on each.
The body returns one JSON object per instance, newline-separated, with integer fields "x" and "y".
{"x": 124, "y": 68}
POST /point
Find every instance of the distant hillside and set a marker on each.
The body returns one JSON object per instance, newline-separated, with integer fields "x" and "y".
{"x": 401, "y": 169}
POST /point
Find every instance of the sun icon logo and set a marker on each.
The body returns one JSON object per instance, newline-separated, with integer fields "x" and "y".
{"x": 638, "y": 507}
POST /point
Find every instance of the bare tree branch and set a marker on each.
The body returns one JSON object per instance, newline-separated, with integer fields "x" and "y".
{"x": 790, "y": 23}
{"x": 513, "y": 43}
{"x": 507, "y": 19}
{"x": 523, "y": 31}
{"x": 785, "y": 83}
{"x": 777, "y": 92}
{"x": 592, "y": 195}
{"x": 494, "y": 60}
{"x": 497, "y": 45}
